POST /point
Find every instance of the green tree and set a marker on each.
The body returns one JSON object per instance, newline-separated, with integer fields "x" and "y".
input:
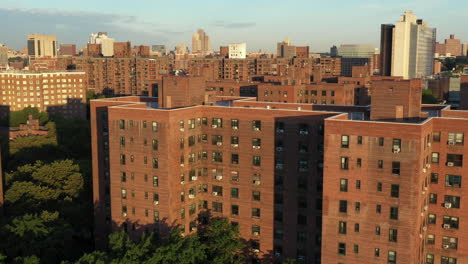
{"x": 428, "y": 97}
{"x": 20, "y": 117}
{"x": 223, "y": 242}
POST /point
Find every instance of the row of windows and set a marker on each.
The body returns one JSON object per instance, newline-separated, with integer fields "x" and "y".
{"x": 256, "y": 125}
{"x": 448, "y": 222}
{"x": 443, "y": 259}
{"x": 392, "y": 233}
{"x": 391, "y": 255}
{"x": 394, "y": 188}
{"x": 343, "y": 208}
{"x": 453, "y": 181}
{"x": 344, "y": 164}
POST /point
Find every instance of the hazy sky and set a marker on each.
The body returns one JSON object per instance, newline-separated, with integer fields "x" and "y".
{"x": 260, "y": 23}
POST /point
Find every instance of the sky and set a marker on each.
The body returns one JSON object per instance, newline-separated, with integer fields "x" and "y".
{"x": 260, "y": 23}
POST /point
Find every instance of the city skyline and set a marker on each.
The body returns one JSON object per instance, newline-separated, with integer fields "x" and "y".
{"x": 258, "y": 25}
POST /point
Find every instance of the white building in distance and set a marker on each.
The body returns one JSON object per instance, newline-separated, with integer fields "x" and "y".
{"x": 238, "y": 50}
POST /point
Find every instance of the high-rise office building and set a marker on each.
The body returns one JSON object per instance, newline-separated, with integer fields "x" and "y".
{"x": 42, "y": 46}
{"x": 201, "y": 42}
{"x": 358, "y": 55}
{"x": 238, "y": 50}
{"x": 413, "y": 47}
{"x": 386, "y": 43}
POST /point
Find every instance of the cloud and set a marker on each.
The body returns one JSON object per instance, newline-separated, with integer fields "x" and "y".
{"x": 234, "y": 25}
{"x": 75, "y": 26}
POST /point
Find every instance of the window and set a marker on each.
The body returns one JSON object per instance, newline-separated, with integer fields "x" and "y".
{"x": 181, "y": 125}
{"x": 377, "y": 230}
{"x": 392, "y": 257}
{"x": 234, "y": 192}
{"x": 256, "y": 212}
{"x": 394, "y": 213}
{"x": 433, "y": 198}
{"x": 380, "y": 164}
{"x": 430, "y": 239}
{"x": 234, "y": 176}
{"x": 217, "y": 207}
{"x": 431, "y": 219}
{"x": 454, "y": 160}
{"x": 342, "y": 249}
{"x": 191, "y": 123}
{"x": 234, "y": 142}
{"x": 344, "y": 163}
{"x": 124, "y": 211}
{"x": 434, "y": 178}
{"x": 216, "y": 122}
{"x": 255, "y": 230}
{"x": 343, "y": 206}
{"x": 376, "y": 252}
{"x": 436, "y": 136}
{"x": 155, "y": 198}
{"x": 448, "y": 260}
{"x": 235, "y": 123}
{"x": 155, "y": 163}
{"x": 450, "y": 222}
{"x": 357, "y": 206}
{"x": 191, "y": 141}
{"x": 395, "y": 167}
{"x": 217, "y": 140}
{"x": 155, "y": 144}
{"x": 453, "y": 181}
{"x": 343, "y": 185}
{"x": 123, "y": 176}
{"x": 359, "y": 140}
{"x": 435, "y": 157}
{"x": 256, "y": 195}
{"x": 154, "y": 126}
{"x": 256, "y": 161}
{"x": 378, "y": 209}
{"x": 356, "y": 228}
{"x": 358, "y": 184}
{"x": 217, "y": 156}
{"x": 381, "y": 141}
{"x": 455, "y": 139}
{"x": 395, "y": 191}
{"x": 449, "y": 242}
{"x": 359, "y": 162}
{"x": 429, "y": 259}
{"x": 234, "y": 158}
{"x": 392, "y": 235}
{"x": 256, "y": 125}
{"x": 181, "y": 143}
{"x": 155, "y": 181}
{"x": 124, "y": 194}
{"x": 217, "y": 190}
{"x": 204, "y": 121}
{"x": 234, "y": 210}
{"x": 379, "y": 186}
{"x": 342, "y": 227}
{"x": 345, "y": 141}
{"x": 122, "y": 141}
{"x": 356, "y": 248}
{"x": 396, "y": 145}
{"x": 256, "y": 143}
{"x": 452, "y": 201}
{"x": 303, "y": 165}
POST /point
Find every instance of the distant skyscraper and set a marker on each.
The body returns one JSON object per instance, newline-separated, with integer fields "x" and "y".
{"x": 284, "y": 49}
{"x": 238, "y": 50}
{"x": 107, "y": 44}
{"x": 200, "y": 42}
{"x": 40, "y": 46}
{"x": 358, "y": 55}
{"x": 386, "y": 40}
{"x": 3, "y": 56}
{"x": 413, "y": 47}
{"x": 333, "y": 51}
{"x": 357, "y": 51}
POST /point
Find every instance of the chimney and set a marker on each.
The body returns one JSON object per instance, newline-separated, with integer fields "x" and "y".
{"x": 452, "y": 36}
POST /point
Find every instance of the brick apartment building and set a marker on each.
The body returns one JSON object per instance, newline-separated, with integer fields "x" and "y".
{"x": 52, "y": 92}
{"x": 393, "y": 197}
{"x": 159, "y": 164}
